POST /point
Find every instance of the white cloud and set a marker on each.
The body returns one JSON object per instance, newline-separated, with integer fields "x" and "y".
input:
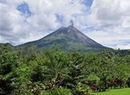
{"x": 123, "y": 46}
{"x": 111, "y": 21}
{"x": 19, "y": 28}
{"x": 107, "y": 21}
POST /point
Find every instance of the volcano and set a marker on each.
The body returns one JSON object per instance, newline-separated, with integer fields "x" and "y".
{"x": 69, "y": 38}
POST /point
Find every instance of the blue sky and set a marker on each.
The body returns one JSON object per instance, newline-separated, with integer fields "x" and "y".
{"x": 105, "y": 21}
{"x": 88, "y": 2}
{"x": 24, "y": 9}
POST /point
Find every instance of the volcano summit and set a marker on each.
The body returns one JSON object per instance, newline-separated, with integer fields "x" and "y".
{"x": 69, "y": 38}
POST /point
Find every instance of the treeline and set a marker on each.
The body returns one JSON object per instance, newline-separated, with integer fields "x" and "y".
{"x": 54, "y": 72}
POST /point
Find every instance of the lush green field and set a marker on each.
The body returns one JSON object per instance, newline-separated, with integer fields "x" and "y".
{"x": 125, "y": 91}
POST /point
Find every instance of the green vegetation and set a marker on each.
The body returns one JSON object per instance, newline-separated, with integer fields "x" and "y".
{"x": 115, "y": 92}
{"x": 54, "y": 72}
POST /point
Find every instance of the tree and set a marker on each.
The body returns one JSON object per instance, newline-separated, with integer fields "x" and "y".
{"x": 56, "y": 67}
{"x": 128, "y": 82}
{"x": 8, "y": 62}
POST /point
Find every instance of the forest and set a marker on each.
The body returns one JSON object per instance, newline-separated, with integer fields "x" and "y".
{"x": 55, "y": 72}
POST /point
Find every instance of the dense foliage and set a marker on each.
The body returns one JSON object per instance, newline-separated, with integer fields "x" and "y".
{"x": 53, "y": 72}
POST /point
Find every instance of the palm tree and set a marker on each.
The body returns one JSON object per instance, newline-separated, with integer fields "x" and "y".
{"x": 56, "y": 67}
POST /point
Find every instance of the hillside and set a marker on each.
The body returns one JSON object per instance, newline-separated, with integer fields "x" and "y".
{"x": 69, "y": 38}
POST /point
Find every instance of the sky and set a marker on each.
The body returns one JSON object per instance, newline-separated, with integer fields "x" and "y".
{"x": 105, "y": 21}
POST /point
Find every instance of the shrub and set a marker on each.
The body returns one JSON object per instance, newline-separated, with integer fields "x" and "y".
{"x": 128, "y": 82}
{"x": 61, "y": 91}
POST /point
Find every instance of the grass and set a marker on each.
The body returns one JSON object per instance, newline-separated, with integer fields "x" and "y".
{"x": 125, "y": 91}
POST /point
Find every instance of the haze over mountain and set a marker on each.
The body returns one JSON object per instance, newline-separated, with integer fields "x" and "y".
{"x": 69, "y": 38}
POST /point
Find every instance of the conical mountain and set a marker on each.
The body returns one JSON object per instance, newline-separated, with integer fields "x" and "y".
{"x": 69, "y": 38}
